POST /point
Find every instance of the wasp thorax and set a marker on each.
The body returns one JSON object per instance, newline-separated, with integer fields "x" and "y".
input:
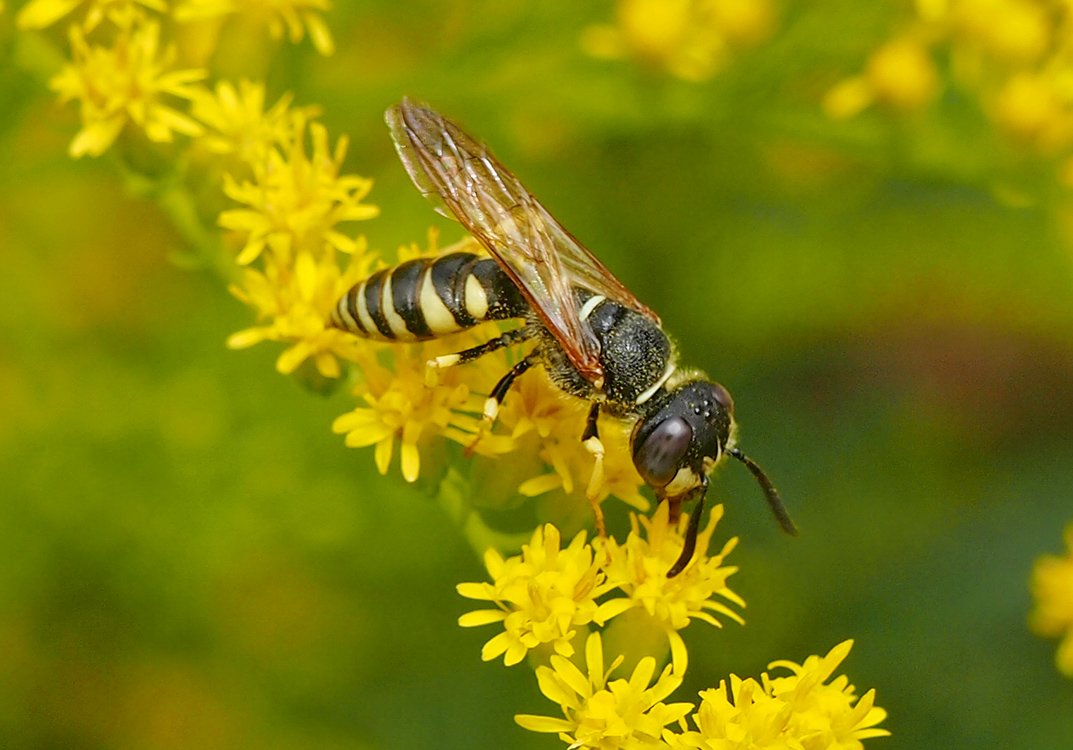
{"x": 681, "y": 435}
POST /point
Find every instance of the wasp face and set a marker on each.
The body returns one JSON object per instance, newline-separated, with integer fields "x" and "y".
{"x": 680, "y": 437}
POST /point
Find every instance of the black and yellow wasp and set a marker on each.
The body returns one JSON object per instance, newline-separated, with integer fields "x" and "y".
{"x": 594, "y": 338}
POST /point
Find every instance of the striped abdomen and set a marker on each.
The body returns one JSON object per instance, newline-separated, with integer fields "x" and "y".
{"x": 429, "y": 297}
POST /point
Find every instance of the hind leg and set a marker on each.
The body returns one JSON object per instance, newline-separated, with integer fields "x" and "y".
{"x": 515, "y": 336}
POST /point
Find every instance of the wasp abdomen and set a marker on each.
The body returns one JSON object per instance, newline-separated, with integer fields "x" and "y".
{"x": 425, "y": 298}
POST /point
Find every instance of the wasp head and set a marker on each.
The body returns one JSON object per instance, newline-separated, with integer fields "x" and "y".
{"x": 676, "y": 443}
{"x": 680, "y": 437}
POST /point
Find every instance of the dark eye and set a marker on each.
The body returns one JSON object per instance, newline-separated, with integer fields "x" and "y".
{"x": 660, "y": 456}
{"x": 723, "y": 397}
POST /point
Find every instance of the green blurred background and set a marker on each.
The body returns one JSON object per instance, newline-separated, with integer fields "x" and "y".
{"x": 189, "y": 558}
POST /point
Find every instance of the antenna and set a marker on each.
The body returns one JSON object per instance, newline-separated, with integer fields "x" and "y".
{"x": 772, "y": 494}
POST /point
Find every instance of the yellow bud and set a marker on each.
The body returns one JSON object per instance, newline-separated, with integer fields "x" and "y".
{"x": 902, "y": 74}
{"x": 744, "y": 21}
{"x": 1013, "y": 30}
{"x": 1029, "y": 107}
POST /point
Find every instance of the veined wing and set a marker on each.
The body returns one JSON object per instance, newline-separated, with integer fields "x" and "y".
{"x": 467, "y": 183}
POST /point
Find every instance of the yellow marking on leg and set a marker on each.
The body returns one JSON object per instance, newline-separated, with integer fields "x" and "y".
{"x": 444, "y": 360}
{"x": 488, "y": 418}
{"x": 491, "y": 409}
{"x": 594, "y": 446}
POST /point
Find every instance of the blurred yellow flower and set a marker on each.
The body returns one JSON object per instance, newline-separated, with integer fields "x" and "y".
{"x": 1032, "y": 107}
{"x": 900, "y": 74}
{"x": 1012, "y": 56}
{"x": 291, "y": 17}
{"x": 238, "y": 124}
{"x": 543, "y": 596}
{"x": 1015, "y": 31}
{"x": 800, "y": 711}
{"x": 295, "y": 199}
{"x": 127, "y": 82}
{"x": 37, "y": 14}
{"x": 1052, "y": 588}
{"x": 692, "y": 39}
{"x": 599, "y": 712}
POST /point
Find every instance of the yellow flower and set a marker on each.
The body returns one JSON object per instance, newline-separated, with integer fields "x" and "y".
{"x": 542, "y": 419}
{"x": 128, "y": 82}
{"x": 1016, "y": 31}
{"x": 1052, "y": 588}
{"x": 403, "y": 406}
{"x": 691, "y": 39}
{"x": 900, "y": 74}
{"x": 639, "y": 568}
{"x": 37, "y": 14}
{"x": 1033, "y": 107}
{"x": 295, "y": 200}
{"x": 293, "y": 17}
{"x": 543, "y": 596}
{"x": 800, "y": 711}
{"x": 602, "y": 713}
{"x": 239, "y": 124}
{"x": 297, "y": 303}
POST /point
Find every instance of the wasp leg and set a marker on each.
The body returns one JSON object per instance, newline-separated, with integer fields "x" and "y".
{"x": 514, "y": 336}
{"x": 499, "y": 392}
{"x": 590, "y": 438}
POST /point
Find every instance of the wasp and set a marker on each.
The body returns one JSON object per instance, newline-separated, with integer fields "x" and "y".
{"x": 595, "y": 339}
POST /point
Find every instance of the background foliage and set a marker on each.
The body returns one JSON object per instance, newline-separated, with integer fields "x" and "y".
{"x": 189, "y": 558}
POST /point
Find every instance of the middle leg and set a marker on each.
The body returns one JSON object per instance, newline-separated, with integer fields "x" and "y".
{"x": 590, "y": 438}
{"x": 499, "y": 392}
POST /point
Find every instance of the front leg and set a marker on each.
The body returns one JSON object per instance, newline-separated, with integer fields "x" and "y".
{"x": 690, "y": 544}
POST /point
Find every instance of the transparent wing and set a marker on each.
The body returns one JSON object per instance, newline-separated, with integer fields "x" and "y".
{"x": 467, "y": 183}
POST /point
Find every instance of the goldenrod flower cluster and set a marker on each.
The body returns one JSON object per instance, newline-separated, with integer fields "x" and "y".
{"x": 293, "y": 253}
{"x": 123, "y": 75}
{"x": 1052, "y": 588}
{"x": 1014, "y": 57}
{"x": 562, "y": 607}
{"x": 690, "y": 39}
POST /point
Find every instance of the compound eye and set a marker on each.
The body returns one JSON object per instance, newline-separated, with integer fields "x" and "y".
{"x": 660, "y": 456}
{"x": 722, "y": 397}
